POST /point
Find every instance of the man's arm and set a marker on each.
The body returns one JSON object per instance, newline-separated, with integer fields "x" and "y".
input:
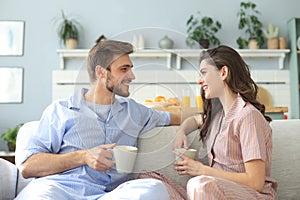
{"x": 43, "y": 164}
{"x": 179, "y": 115}
{"x": 176, "y": 118}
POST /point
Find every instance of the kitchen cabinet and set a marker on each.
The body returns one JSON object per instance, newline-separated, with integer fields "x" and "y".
{"x": 294, "y": 67}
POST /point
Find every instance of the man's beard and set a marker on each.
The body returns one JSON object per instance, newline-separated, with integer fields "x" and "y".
{"x": 116, "y": 88}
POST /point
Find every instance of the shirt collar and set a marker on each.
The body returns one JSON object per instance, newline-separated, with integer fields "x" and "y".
{"x": 236, "y": 107}
{"x": 76, "y": 101}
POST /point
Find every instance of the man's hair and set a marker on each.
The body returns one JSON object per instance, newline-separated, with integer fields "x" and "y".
{"x": 104, "y": 53}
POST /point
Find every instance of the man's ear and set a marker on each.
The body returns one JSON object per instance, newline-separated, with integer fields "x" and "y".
{"x": 99, "y": 71}
{"x": 224, "y": 72}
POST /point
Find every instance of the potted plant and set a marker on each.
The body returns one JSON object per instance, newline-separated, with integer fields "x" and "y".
{"x": 68, "y": 31}
{"x": 10, "y": 136}
{"x": 203, "y": 31}
{"x": 272, "y": 36}
{"x": 249, "y": 22}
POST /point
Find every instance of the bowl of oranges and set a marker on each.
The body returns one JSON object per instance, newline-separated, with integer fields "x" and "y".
{"x": 162, "y": 101}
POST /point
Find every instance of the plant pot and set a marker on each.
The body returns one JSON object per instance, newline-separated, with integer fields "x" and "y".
{"x": 273, "y": 43}
{"x": 71, "y": 43}
{"x": 11, "y": 146}
{"x": 204, "y": 44}
{"x": 252, "y": 44}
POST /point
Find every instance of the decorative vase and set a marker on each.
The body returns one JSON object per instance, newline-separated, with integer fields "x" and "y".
{"x": 135, "y": 41}
{"x": 273, "y": 43}
{"x": 166, "y": 43}
{"x": 252, "y": 44}
{"x": 71, "y": 43}
{"x": 204, "y": 43}
{"x": 141, "y": 43}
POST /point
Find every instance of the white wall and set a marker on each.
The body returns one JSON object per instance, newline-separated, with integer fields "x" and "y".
{"x": 111, "y": 18}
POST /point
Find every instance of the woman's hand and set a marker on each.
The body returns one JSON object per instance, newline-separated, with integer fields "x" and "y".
{"x": 180, "y": 140}
{"x": 188, "y": 166}
{"x": 100, "y": 158}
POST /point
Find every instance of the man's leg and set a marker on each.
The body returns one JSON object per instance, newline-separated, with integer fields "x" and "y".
{"x": 46, "y": 189}
{"x": 139, "y": 189}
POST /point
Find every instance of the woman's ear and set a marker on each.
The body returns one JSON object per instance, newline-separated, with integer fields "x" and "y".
{"x": 224, "y": 72}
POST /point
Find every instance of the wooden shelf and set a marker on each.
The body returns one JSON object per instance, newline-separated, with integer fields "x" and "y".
{"x": 245, "y": 53}
{"x": 273, "y": 112}
{"x": 199, "y": 109}
{"x": 276, "y": 109}
{"x": 82, "y": 53}
{"x": 179, "y": 54}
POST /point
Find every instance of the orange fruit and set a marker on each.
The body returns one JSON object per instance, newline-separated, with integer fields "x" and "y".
{"x": 160, "y": 99}
{"x": 174, "y": 101}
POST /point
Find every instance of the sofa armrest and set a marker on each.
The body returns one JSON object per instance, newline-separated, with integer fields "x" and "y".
{"x": 23, "y": 136}
{"x": 9, "y": 176}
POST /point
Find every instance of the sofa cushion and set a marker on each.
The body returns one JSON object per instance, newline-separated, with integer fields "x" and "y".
{"x": 155, "y": 152}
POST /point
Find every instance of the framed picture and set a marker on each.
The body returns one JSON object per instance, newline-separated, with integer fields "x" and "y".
{"x": 11, "y": 87}
{"x": 11, "y": 38}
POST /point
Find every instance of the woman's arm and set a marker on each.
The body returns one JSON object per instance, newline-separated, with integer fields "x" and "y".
{"x": 253, "y": 177}
{"x": 43, "y": 164}
{"x": 189, "y": 125}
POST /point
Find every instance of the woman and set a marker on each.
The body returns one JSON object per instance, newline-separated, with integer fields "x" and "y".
{"x": 234, "y": 129}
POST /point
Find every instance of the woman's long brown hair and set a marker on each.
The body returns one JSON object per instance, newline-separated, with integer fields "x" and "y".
{"x": 238, "y": 80}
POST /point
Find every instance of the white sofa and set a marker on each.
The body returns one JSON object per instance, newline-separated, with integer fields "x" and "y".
{"x": 155, "y": 153}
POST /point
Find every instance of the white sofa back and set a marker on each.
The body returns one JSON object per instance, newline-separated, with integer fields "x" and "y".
{"x": 286, "y": 157}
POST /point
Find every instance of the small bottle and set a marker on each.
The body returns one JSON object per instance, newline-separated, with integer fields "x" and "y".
{"x": 135, "y": 41}
{"x": 141, "y": 42}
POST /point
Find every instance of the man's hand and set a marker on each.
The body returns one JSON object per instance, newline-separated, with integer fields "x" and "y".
{"x": 100, "y": 158}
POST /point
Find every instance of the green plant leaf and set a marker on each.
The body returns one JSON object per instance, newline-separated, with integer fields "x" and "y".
{"x": 11, "y": 134}
{"x": 67, "y": 27}
{"x": 202, "y": 28}
{"x": 250, "y": 23}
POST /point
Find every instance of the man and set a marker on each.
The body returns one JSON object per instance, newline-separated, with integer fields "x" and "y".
{"x": 69, "y": 152}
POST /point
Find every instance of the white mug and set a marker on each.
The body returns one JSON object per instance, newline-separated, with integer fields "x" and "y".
{"x": 124, "y": 157}
{"x": 191, "y": 153}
